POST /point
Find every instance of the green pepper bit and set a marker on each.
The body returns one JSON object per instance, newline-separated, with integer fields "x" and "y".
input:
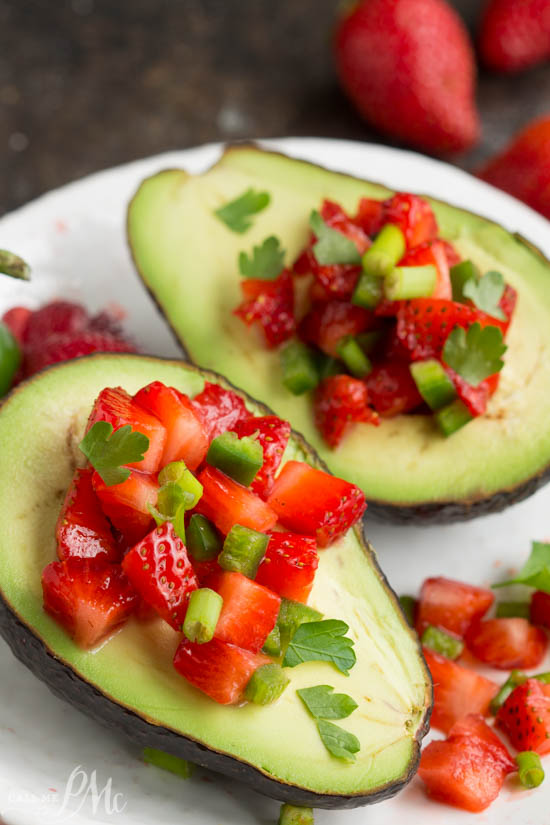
{"x": 181, "y": 767}
{"x": 243, "y": 550}
{"x": 353, "y": 356}
{"x": 452, "y": 417}
{"x": 408, "y": 606}
{"x": 433, "y": 383}
{"x": 266, "y": 684}
{"x": 299, "y": 369}
{"x": 203, "y": 540}
{"x": 272, "y": 645}
{"x": 530, "y": 770}
{"x": 511, "y": 610}
{"x": 202, "y": 615}
{"x": 238, "y": 458}
{"x": 442, "y": 642}
{"x": 14, "y": 266}
{"x": 293, "y": 815}
{"x": 405, "y": 282}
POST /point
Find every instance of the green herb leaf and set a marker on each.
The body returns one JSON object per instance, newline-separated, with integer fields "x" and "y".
{"x": 536, "y": 570}
{"x": 266, "y": 261}
{"x": 476, "y": 354}
{"x": 322, "y": 703}
{"x": 108, "y": 451}
{"x": 321, "y": 642}
{"x": 14, "y": 266}
{"x": 486, "y": 293}
{"x": 339, "y": 742}
{"x": 236, "y": 214}
{"x": 332, "y": 247}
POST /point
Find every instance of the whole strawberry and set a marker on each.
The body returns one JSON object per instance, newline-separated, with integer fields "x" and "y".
{"x": 408, "y": 65}
{"x": 523, "y": 168}
{"x": 515, "y": 34}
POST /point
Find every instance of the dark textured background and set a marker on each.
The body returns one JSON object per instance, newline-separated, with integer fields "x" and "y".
{"x": 86, "y": 84}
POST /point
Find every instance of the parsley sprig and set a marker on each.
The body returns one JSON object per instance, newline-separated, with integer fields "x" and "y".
{"x": 109, "y": 451}
{"x": 323, "y": 704}
{"x": 536, "y": 570}
{"x": 476, "y": 354}
{"x": 323, "y": 641}
{"x": 236, "y": 214}
{"x": 486, "y": 293}
{"x": 266, "y": 261}
{"x": 332, "y": 247}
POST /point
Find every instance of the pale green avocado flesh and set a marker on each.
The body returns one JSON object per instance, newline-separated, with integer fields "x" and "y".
{"x": 40, "y": 427}
{"x": 188, "y": 260}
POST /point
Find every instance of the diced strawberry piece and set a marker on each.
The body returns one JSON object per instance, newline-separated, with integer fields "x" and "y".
{"x": 432, "y": 253}
{"x": 540, "y": 608}
{"x": 144, "y": 612}
{"x": 226, "y": 502}
{"x": 325, "y": 324}
{"x": 220, "y": 409}
{"x": 271, "y": 304}
{"x": 507, "y": 643}
{"x": 337, "y": 281}
{"x": 186, "y": 437}
{"x": 126, "y": 504}
{"x": 458, "y": 690}
{"x": 273, "y": 433}
{"x": 314, "y": 503}
{"x": 82, "y": 529}
{"x": 508, "y": 302}
{"x": 451, "y": 604}
{"x": 335, "y": 217}
{"x": 249, "y": 611}
{"x": 468, "y": 769}
{"x": 392, "y": 389}
{"x": 66, "y": 347}
{"x": 118, "y": 408}
{"x": 219, "y": 669}
{"x": 340, "y": 402}
{"x": 89, "y": 597}
{"x": 525, "y": 717}
{"x": 370, "y": 216}
{"x": 55, "y": 318}
{"x": 289, "y": 565}
{"x": 305, "y": 262}
{"x": 475, "y": 398}
{"x": 414, "y": 216}
{"x": 205, "y": 569}
{"x": 17, "y": 319}
{"x": 161, "y": 572}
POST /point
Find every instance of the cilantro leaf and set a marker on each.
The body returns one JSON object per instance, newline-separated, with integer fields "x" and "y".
{"x": 321, "y": 642}
{"x": 322, "y": 703}
{"x": 332, "y": 247}
{"x": 14, "y": 266}
{"x": 107, "y": 451}
{"x": 236, "y": 213}
{"x": 475, "y": 355}
{"x": 339, "y": 742}
{"x": 536, "y": 570}
{"x": 266, "y": 261}
{"x": 486, "y": 293}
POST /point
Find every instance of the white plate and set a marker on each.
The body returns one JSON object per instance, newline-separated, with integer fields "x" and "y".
{"x": 74, "y": 239}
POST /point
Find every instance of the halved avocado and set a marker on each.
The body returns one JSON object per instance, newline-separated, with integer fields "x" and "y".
{"x": 187, "y": 258}
{"x": 129, "y": 683}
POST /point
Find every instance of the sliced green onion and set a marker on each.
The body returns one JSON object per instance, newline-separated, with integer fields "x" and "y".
{"x": 203, "y": 540}
{"x": 266, "y": 684}
{"x": 542, "y": 677}
{"x": 291, "y": 616}
{"x": 408, "y": 606}
{"x": 173, "y": 764}
{"x": 239, "y": 458}
{"x": 353, "y": 356}
{"x": 272, "y": 645}
{"x": 406, "y": 282}
{"x": 177, "y": 473}
{"x": 368, "y": 341}
{"x": 328, "y": 366}
{"x": 293, "y": 815}
{"x": 387, "y": 249}
{"x": 299, "y": 369}
{"x": 530, "y": 770}
{"x": 515, "y": 678}
{"x": 460, "y": 274}
{"x": 243, "y": 550}
{"x": 511, "y": 610}
{"x": 10, "y": 358}
{"x": 203, "y": 612}
{"x": 452, "y": 417}
{"x": 433, "y": 383}
{"x": 441, "y": 642}
{"x": 368, "y": 291}
{"x": 178, "y": 523}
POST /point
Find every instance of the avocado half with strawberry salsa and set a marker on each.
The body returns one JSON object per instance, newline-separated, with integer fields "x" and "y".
{"x": 214, "y": 634}
{"x": 475, "y": 351}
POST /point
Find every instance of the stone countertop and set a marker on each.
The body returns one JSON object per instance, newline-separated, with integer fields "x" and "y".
{"x": 87, "y": 84}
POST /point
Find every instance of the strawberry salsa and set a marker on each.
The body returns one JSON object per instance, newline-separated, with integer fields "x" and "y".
{"x": 393, "y": 321}
{"x": 183, "y": 512}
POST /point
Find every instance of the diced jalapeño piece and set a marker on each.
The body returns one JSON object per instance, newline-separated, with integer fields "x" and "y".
{"x": 452, "y": 417}
{"x": 434, "y": 385}
{"x": 203, "y": 540}
{"x": 299, "y": 368}
{"x": 353, "y": 356}
{"x": 239, "y": 458}
{"x": 266, "y": 684}
{"x": 243, "y": 550}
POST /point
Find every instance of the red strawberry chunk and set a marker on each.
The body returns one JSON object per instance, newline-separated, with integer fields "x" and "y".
{"x": 507, "y": 643}
{"x": 335, "y": 217}
{"x": 314, "y": 503}
{"x": 90, "y": 598}
{"x": 205, "y": 569}
{"x": 249, "y": 611}
{"x": 17, "y": 320}
{"x": 118, "y": 408}
{"x": 468, "y": 769}
{"x": 336, "y": 281}
{"x": 273, "y": 434}
{"x": 327, "y": 323}
{"x": 508, "y": 302}
{"x": 525, "y": 717}
{"x": 161, "y": 572}
{"x": 392, "y": 390}
{"x": 370, "y": 216}
{"x": 271, "y": 304}
{"x": 186, "y": 437}
{"x": 414, "y": 216}
{"x": 340, "y": 402}
{"x": 220, "y": 409}
{"x": 540, "y": 608}
{"x": 475, "y": 398}
{"x": 432, "y": 253}
{"x": 289, "y": 565}
{"x": 53, "y": 319}
{"x": 60, "y": 348}
{"x": 219, "y": 669}
{"x": 126, "y": 504}
{"x": 451, "y": 604}
{"x": 457, "y": 691}
{"x": 226, "y": 502}
{"x": 82, "y": 529}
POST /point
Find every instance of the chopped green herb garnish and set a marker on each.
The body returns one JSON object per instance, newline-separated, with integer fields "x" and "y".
{"x": 460, "y": 275}
{"x": 476, "y": 354}
{"x": 14, "y": 266}
{"x": 323, "y": 703}
{"x": 173, "y": 764}
{"x": 266, "y": 262}
{"x": 236, "y": 214}
{"x": 109, "y": 451}
{"x": 536, "y": 570}
{"x": 339, "y": 742}
{"x": 486, "y": 293}
{"x": 294, "y": 815}
{"x": 323, "y": 641}
{"x": 332, "y": 247}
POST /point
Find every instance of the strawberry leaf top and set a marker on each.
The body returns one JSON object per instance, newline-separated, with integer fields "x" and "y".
{"x": 266, "y": 261}
{"x": 536, "y": 570}
{"x": 108, "y": 451}
{"x": 476, "y": 354}
{"x": 236, "y": 214}
{"x": 486, "y": 293}
{"x": 323, "y": 641}
{"x": 332, "y": 247}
